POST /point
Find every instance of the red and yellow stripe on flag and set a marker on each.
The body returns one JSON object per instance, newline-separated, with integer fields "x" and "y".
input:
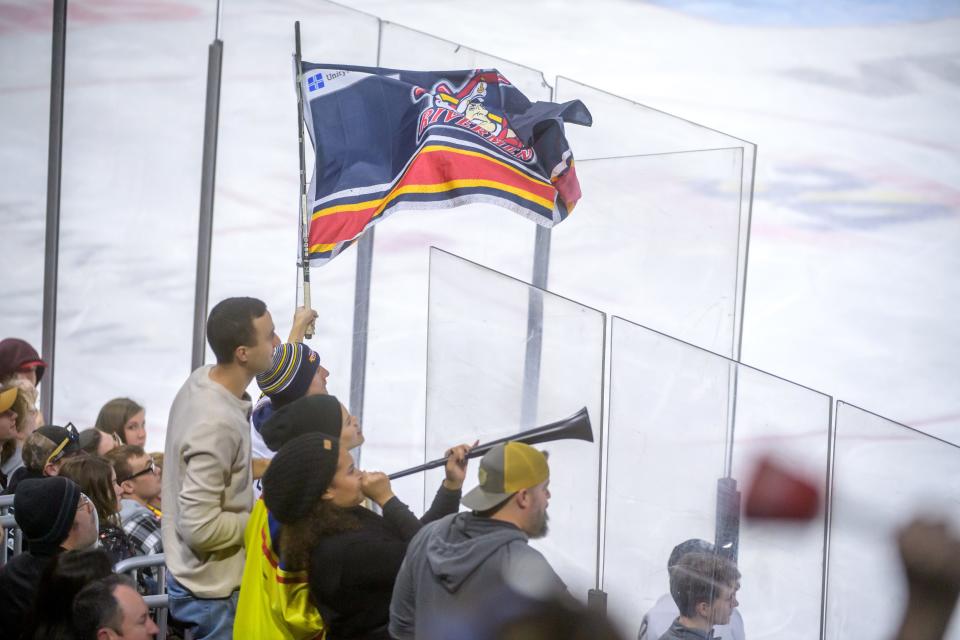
{"x": 438, "y": 173}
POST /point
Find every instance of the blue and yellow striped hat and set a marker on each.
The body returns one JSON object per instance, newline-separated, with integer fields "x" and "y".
{"x": 288, "y": 378}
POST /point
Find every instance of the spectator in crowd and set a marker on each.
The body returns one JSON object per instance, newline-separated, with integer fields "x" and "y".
{"x": 139, "y": 483}
{"x": 930, "y": 556}
{"x": 290, "y": 368}
{"x": 8, "y": 431}
{"x": 351, "y": 553}
{"x": 665, "y": 610}
{"x": 98, "y": 443}
{"x": 111, "y": 608}
{"x": 124, "y": 418}
{"x": 294, "y": 372}
{"x": 157, "y": 457}
{"x": 54, "y": 517}
{"x": 44, "y": 452}
{"x": 208, "y": 483}
{"x": 704, "y": 586}
{"x": 98, "y": 481}
{"x": 20, "y": 360}
{"x": 51, "y": 617}
{"x": 275, "y": 598}
{"x": 28, "y": 419}
{"x": 464, "y": 555}
{"x": 510, "y": 613}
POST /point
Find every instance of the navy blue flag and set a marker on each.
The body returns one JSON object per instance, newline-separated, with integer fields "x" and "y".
{"x": 388, "y": 140}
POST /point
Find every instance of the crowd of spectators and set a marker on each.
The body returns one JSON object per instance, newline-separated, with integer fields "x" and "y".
{"x": 269, "y": 530}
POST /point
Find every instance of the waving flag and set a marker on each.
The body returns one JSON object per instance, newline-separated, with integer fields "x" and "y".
{"x": 388, "y": 140}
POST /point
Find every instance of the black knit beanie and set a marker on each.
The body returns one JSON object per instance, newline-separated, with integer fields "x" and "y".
{"x": 298, "y": 475}
{"x": 311, "y": 414}
{"x": 44, "y": 510}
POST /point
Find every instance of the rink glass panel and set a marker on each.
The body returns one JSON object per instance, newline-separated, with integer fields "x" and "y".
{"x": 679, "y": 416}
{"x": 622, "y": 127}
{"x": 476, "y": 362}
{"x": 256, "y": 246}
{"x": 132, "y": 146}
{"x": 885, "y": 474}
{"x": 655, "y": 239}
{"x": 25, "y": 108}
{"x": 397, "y": 336}
{"x": 405, "y": 48}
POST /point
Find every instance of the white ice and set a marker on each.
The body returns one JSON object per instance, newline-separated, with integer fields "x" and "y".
{"x": 852, "y": 285}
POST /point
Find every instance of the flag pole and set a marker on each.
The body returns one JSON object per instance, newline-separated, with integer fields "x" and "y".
{"x": 304, "y": 216}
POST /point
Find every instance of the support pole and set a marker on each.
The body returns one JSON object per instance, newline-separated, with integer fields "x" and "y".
{"x": 361, "y": 308}
{"x": 361, "y": 322}
{"x": 207, "y": 192}
{"x": 531, "y": 361}
{"x": 52, "y": 241}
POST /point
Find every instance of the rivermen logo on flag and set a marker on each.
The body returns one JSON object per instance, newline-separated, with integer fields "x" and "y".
{"x": 388, "y": 140}
{"x": 465, "y": 107}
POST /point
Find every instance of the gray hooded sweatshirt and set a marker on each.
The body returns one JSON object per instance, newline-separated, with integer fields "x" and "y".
{"x": 457, "y": 559}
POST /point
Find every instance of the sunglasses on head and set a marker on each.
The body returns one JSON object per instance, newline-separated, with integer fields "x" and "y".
{"x": 58, "y": 452}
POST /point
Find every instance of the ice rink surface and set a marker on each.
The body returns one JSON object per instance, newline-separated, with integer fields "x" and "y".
{"x": 852, "y": 286}
{"x": 855, "y": 248}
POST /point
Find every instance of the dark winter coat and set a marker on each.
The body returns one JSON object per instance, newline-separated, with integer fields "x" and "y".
{"x": 19, "y": 580}
{"x": 352, "y": 573}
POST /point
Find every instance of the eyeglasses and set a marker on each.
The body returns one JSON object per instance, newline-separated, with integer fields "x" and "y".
{"x": 59, "y": 451}
{"x": 150, "y": 468}
{"x": 84, "y": 501}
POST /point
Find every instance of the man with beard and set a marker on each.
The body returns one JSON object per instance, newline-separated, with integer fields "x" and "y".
{"x": 462, "y": 556}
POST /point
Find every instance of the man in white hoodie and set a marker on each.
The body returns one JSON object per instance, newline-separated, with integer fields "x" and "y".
{"x": 207, "y": 481}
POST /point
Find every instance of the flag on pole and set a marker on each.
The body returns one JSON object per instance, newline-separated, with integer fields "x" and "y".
{"x": 388, "y": 140}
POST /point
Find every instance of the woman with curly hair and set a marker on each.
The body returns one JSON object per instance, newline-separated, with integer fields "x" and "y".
{"x": 98, "y": 481}
{"x": 126, "y": 419}
{"x": 351, "y": 554}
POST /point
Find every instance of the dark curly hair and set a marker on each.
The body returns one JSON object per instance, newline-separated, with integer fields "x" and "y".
{"x": 297, "y": 539}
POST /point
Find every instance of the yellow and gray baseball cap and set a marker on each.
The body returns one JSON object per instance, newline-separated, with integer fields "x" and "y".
{"x": 504, "y": 470}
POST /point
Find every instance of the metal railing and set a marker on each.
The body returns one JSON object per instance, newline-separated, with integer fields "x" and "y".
{"x": 9, "y": 524}
{"x": 158, "y": 601}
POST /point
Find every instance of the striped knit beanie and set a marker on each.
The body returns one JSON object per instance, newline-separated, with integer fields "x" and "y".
{"x": 288, "y": 378}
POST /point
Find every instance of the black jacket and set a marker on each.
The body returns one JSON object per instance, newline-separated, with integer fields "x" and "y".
{"x": 352, "y": 573}
{"x": 19, "y": 580}
{"x": 19, "y": 476}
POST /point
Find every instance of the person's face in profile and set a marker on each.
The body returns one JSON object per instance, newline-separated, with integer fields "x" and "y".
{"x": 722, "y": 608}
{"x": 136, "y": 623}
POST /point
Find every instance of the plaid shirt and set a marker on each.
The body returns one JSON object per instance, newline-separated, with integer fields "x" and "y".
{"x": 143, "y": 528}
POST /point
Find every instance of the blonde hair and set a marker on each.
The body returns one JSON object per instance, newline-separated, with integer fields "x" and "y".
{"x": 26, "y": 404}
